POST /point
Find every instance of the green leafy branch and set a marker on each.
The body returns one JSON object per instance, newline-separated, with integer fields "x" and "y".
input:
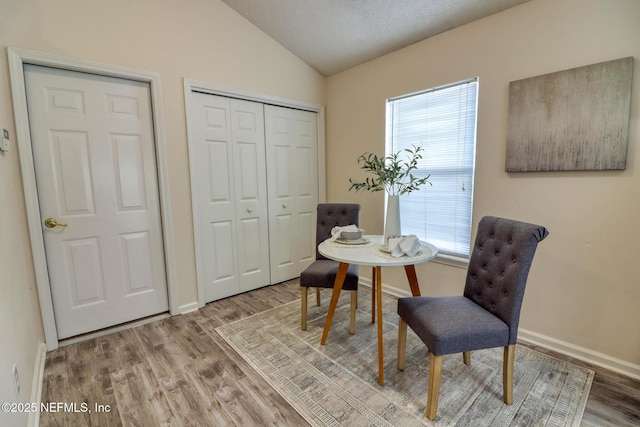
{"x": 391, "y": 173}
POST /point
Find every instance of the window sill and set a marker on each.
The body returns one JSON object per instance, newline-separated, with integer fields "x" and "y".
{"x": 452, "y": 261}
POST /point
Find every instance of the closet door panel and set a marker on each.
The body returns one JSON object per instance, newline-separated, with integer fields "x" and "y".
{"x": 251, "y": 255}
{"x": 221, "y": 265}
{"x": 306, "y": 179}
{"x": 307, "y": 238}
{"x": 280, "y": 178}
{"x": 213, "y": 193}
{"x": 218, "y": 243}
{"x": 226, "y": 153}
{"x": 282, "y": 184}
{"x": 283, "y": 234}
{"x": 247, "y": 123}
{"x": 219, "y": 177}
{"x": 291, "y": 140}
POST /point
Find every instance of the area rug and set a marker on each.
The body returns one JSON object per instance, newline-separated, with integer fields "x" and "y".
{"x": 337, "y": 384}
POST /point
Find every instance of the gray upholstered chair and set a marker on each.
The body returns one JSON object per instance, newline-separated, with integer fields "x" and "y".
{"x": 488, "y": 313}
{"x": 322, "y": 272}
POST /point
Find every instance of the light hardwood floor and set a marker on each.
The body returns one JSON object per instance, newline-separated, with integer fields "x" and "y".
{"x": 179, "y": 372}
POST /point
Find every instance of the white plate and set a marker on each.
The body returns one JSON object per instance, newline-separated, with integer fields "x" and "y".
{"x": 360, "y": 241}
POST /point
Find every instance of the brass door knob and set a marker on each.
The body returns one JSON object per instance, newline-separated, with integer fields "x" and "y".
{"x": 52, "y": 222}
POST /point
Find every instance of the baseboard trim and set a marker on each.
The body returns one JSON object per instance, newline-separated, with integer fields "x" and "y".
{"x": 188, "y": 308}
{"x": 36, "y": 386}
{"x": 581, "y": 353}
{"x": 387, "y": 289}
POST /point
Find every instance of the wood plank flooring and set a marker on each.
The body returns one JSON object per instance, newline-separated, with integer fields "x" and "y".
{"x": 178, "y": 372}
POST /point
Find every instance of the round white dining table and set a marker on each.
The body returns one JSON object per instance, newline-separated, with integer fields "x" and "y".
{"x": 371, "y": 252}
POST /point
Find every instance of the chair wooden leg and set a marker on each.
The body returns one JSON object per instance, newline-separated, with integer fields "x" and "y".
{"x": 402, "y": 344}
{"x": 466, "y": 357}
{"x": 354, "y": 305}
{"x": 507, "y": 373}
{"x": 317, "y": 296}
{"x": 303, "y": 318}
{"x": 434, "y": 386}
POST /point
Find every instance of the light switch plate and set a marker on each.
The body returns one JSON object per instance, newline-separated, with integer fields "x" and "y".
{"x": 4, "y": 145}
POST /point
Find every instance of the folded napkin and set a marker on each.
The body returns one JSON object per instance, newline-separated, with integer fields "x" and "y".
{"x": 337, "y": 231}
{"x": 407, "y": 245}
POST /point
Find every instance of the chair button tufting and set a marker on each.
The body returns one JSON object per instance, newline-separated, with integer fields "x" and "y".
{"x": 502, "y": 273}
{"x": 497, "y": 253}
{"x": 513, "y": 260}
{"x": 329, "y": 213}
{"x": 484, "y": 267}
{"x": 506, "y": 293}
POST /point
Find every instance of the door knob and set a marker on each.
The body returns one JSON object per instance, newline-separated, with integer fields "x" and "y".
{"x": 52, "y": 222}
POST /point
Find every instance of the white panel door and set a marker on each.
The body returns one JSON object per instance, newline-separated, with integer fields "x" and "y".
{"x": 305, "y": 131}
{"x": 227, "y": 160}
{"x": 252, "y": 226}
{"x": 93, "y": 149}
{"x": 292, "y": 144}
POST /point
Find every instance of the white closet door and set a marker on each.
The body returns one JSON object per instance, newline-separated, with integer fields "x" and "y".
{"x": 292, "y": 145}
{"x": 227, "y": 160}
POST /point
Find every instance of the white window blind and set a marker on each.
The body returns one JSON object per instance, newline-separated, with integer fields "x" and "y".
{"x": 443, "y": 121}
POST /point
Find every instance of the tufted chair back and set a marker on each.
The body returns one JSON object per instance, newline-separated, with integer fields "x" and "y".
{"x": 331, "y": 215}
{"x": 499, "y": 266}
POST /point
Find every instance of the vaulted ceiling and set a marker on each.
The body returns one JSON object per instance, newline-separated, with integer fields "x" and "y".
{"x": 334, "y": 35}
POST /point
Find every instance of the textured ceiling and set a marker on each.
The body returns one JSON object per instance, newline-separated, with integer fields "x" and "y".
{"x": 334, "y": 35}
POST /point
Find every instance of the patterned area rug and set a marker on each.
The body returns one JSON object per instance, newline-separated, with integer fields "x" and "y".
{"x": 337, "y": 384}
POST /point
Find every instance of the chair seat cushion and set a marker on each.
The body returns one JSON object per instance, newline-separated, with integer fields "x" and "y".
{"x": 322, "y": 274}
{"x": 452, "y": 324}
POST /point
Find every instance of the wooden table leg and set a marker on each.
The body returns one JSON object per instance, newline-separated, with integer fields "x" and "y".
{"x": 413, "y": 279}
{"x": 380, "y": 346}
{"x": 337, "y": 288}
{"x": 373, "y": 295}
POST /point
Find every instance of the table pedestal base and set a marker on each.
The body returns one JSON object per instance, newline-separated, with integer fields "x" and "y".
{"x": 376, "y": 304}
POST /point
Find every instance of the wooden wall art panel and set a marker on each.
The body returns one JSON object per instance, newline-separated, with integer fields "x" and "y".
{"x": 576, "y": 119}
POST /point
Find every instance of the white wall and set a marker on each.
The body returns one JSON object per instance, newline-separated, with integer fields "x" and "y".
{"x": 583, "y": 288}
{"x": 200, "y": 39}
{"x": 21, "y": 330}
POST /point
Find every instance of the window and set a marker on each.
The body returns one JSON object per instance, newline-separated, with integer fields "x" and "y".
{"x": 443, "y": 121}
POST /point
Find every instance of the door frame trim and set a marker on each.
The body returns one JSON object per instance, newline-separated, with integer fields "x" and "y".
{"x": 190, "y": 86}
{"x": 17, "y": 59}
